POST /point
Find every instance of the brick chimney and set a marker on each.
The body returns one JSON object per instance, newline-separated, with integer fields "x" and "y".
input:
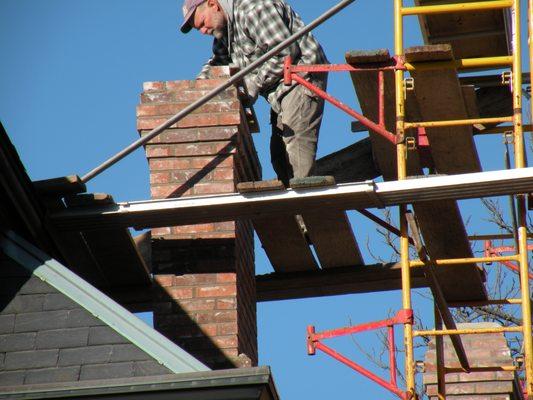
{"x": 484, "y": 350}
{"x": 206, "y": 299}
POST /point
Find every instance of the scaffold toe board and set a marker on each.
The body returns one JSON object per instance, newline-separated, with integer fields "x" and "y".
{"x": 440, "y": 97}
{"x": 349, "y": 196}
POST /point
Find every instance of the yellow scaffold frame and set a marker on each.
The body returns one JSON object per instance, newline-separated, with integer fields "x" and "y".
{"x": 517, "y": 128}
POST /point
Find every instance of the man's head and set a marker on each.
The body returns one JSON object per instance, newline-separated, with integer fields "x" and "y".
{"x": 207, "y": 16}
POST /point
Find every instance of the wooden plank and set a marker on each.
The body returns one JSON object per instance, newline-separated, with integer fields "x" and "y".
{"x": 334, "y": 281}
{"x": 366, "y": 87}
{"x": 70, "y": 184}
{"x": 333, "y": 239}
{"x": 440, "y": 97}
{"x": 440, "y": 233}
{"x": 284, "y": 243}
{"x": 471, "y": 34}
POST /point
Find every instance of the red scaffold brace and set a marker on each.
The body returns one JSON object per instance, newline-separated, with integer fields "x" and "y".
{"x": 291, "y": 74}
{"x": 491, "y": 251}
{"x": 402, "y": 317}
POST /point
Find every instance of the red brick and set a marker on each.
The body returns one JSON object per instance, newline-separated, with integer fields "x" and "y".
{"x": 229, "y": 328}
{"x": 159, "y": 177}
{"x": 229, "y": 119}
{"x": 216, "y": 291}
{"x": 180, "y": 292}
{"x": 164, "y": 280}
{"x": 150, "y": 97}
{"x": 179, "y": 136}
{"x": 158, "y": 151}
{"x": 193, "y": 228}
{"x": 217, "y": 316}
{"x": 161, "y": 231}
{"x": 153, "y": 86}
{"x": 169, "y": 164}
{"x": 225, "y": 226}
{"x": 194, "y": 279}
{"x": 197, "y": 305}
{"x": 214, "y": 188}
{"x": 226, "y": 304}
{"x": 218, "y": 133}
{"x": 168, "y": 191}
{"x": 225, "y": 342}
{"x": 209, "y": 329}
{"x": 209, "y": 83}
{"x": 222, "y": 160}
{"x": 223, "y": 174}
{"x": 225, "y": 277}
{"x": 179, "y": 85}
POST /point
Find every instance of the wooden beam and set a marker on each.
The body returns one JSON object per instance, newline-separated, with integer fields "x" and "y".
{"x": 354, "y": 163}
{"x": 64, "y": 185}
{"x": 334, "y": 281}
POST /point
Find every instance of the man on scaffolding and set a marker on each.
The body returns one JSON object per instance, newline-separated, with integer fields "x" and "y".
{"x": 243, "y": 31}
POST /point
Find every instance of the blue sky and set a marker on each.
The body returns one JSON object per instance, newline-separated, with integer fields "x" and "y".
{"x": 70, "y": 77}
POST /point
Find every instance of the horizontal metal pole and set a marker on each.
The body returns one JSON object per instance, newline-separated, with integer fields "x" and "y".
{"x": 509, "y": 368}
{"x": 496, "y": 236}
{"x": 457, "y": 7}
{"x": 457, "y": 122}
{"x": 456, "y": 261}
{"x": 230, "y": 82}
{"x": 503, "y": 129}
{"x": 464, "y": 63}
{"x": 485, "y": 303}
{"x": 481, "y": 331}
{"x": 349, "y": 196}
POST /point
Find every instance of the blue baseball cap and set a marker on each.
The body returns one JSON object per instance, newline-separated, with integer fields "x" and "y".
{"x": 189, "y": 7}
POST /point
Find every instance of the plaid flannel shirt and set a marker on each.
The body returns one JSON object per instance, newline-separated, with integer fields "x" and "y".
{"x": 258, "y": 26}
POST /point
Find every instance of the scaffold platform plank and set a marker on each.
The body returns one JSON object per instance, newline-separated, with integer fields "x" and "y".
{"x": 471, "y": 34}
{"x": 440, "y": 97}
{"x": 284, "y": 243}
{"x": 333, "y": 238}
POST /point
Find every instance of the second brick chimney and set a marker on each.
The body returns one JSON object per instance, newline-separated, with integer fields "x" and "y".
{"x": 205, "y": 275}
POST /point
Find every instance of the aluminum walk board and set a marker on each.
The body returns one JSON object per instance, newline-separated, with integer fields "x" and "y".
{"x": 226, "y": 207}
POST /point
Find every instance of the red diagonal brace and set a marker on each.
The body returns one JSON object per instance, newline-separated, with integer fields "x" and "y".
{"x": 404, "y": 316}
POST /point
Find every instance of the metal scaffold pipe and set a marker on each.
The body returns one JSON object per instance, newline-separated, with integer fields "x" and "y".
{"x": 231, "y": 81}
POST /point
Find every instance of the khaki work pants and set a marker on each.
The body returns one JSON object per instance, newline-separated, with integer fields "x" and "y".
{"x": 295, "y": 132}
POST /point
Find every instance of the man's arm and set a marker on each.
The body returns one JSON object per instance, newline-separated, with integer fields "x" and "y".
{"x": 267, "y": 26}
{"x": 220, "y": 57}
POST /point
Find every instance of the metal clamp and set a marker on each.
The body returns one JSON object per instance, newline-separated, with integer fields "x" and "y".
{"x": 410, "y": 143}
{"x": 508, "y": 137}
{"x": 420, "y": 366}
{"x": 507, "y": 77}
{"x": 408, "y": 85}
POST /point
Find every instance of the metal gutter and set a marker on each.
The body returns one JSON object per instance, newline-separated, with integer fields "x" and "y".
{"x": 145, "y": 386}
{"x": 114, "y": 315}
{"x": 369, "y": 194}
